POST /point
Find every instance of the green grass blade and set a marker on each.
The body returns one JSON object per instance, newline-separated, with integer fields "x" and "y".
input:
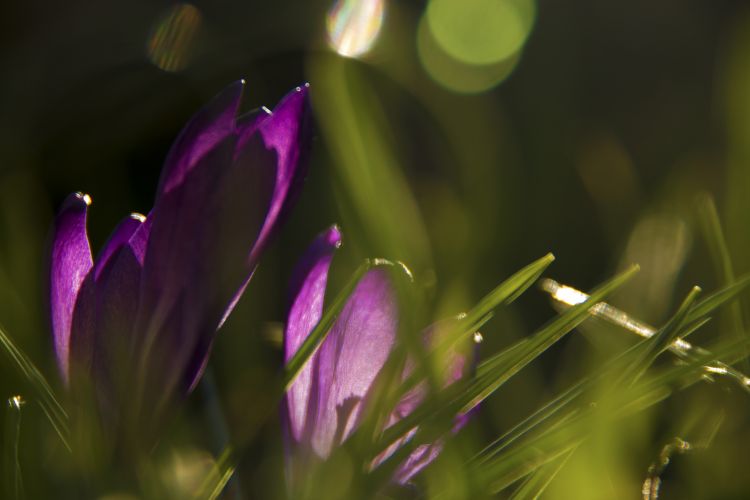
{"x": 510, "y": 289}
{"x": 319, "y": 333}
{"x": 706, "y": 306}
{"x": 719, "y": 251}
{"x": 462, "y": 396}
{"x": 649, "y": 349}
{"x": 46, "y": 397}
{"x": 489, "y": 379}
{"x": 535, "y": 484}
{"x": 218, "y": 476}
{"x": 12, "y": 464}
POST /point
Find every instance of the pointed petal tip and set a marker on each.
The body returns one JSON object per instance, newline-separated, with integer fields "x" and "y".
{"x": 78, "y": 198}
{"x": 332, "y": 236}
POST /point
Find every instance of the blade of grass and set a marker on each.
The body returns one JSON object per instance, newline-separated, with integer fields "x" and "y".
{"x": 650, "y": 349}
{"x": 541, "y": 448}
{"x": 719, "y": 251}
{"x": 533, "y": 487}
{"x": 331, "y": 313}
{"x": 463, "y": 396}
{"x": 491, "y": 374}
{"x": 46, "y": 397}
{"x": 13, "y": 479}
{"x": 218, "y": 477}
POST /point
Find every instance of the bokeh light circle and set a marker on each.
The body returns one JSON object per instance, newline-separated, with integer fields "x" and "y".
{"x": 480, "y": 32}
{"x": 456, "y": 75}
{"x": 353, "y": 26}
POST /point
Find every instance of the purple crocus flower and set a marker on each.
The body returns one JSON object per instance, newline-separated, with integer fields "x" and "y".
{"x": 327, "y": 400}
{"x": 138, "y": 321}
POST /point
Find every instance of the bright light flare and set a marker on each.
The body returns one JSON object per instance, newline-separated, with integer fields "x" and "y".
{"x": 354, "y": 25}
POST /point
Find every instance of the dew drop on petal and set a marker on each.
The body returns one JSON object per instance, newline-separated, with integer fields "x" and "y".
{"x": 354, "y": 25}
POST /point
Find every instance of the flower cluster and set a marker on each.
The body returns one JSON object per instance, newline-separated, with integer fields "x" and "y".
{"x": 135, "y": 326}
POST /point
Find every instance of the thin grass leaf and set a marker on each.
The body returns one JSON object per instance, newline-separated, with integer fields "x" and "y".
{"x": 463, "y": 396}
{"x": 533, "y": 487}
{"x": 12, "y": 464}
{"x": 541, "y": 448}
{"x": 526, "y": 425}
{"x": 510, "y": 289}
{"x": 218, "y": 477}
{"x": 46, "y": 397}
{"x": 649, "y": 349}
{"x": 719, "y": 251}
{"x": 491, "y": 374}
{"x": 319, "y": 333}
{"x": 704, "y": 307}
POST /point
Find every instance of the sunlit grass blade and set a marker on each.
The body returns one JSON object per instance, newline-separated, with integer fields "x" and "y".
{"x": 13, "y": 480}
{"x": 719, "y": 251}
{"x": 463, "y": 396}
{"x": 490, "y": 374}
{"x": 705, "y": 306}
{"x": 47, "y": 400}
{"x": 541, "y": 448}
{"x": 319, "y": 333}
{"x": 218, "y": 476}
{"x": 510, "y": 289}
{"x": 533, "y": 487}
{"x": 471, "y": 321}
{"x": 537, "y": 418}
{"x": 649, "y": 349}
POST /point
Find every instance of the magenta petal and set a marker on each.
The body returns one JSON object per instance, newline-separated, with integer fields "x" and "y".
{"x": 351, "y": 357}
{"x": 202, "y": 133}
{"x": 119, "y": 237}
{"x": 307, "y": 291}
{"x": 420, "y": 458}
{"x": 286, "y": 131}
{"x": 197, "y": 256}
{"x": 69, "y": 264}
{"x": 116, "y": 305}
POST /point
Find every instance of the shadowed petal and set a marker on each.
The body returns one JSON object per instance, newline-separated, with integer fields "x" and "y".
{"x": 120, "y": 236}
{"x": 69, "y": 264}
{"x": 287, "y": 131}
{"x": 350, "y": 359}
{"x": 202, "y": 133}
{"x": 307, "y": 292}
{"x": 196, "y": 258}
{"x": 116, "y": 305}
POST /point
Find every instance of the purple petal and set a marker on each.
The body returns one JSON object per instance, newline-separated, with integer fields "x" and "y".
{"x": 350, "y": 359}
{"x": 202, "y": 133}
{"x": 287, "y": 131}
{"x": 308, "y": 291}
{"x": 70, "y": 263}
{"x": 455, "y": 361}
{"x": 119, "y": 237}
{"x": 196, "y": 256}
{"x": 117, "y": 289}
{"x": 107, "y": 303}
{"x": 420, "y": 458}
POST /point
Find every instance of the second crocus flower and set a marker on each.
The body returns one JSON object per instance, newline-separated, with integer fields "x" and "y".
{"x": 328, "y": 399}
